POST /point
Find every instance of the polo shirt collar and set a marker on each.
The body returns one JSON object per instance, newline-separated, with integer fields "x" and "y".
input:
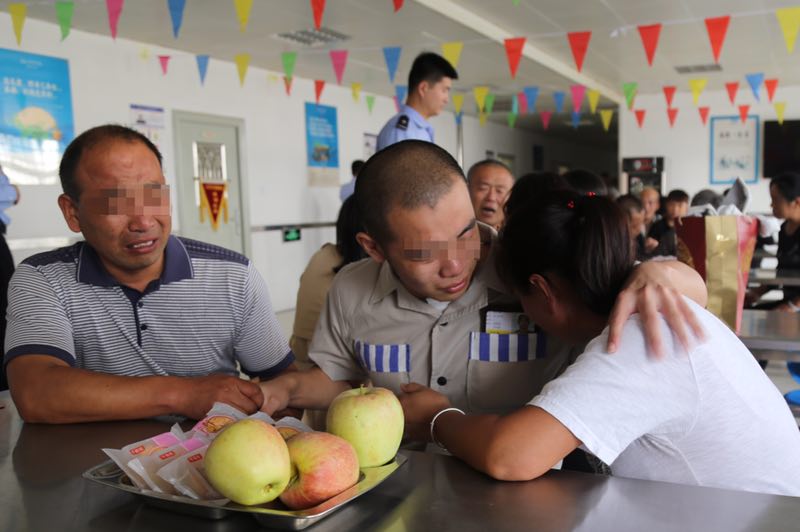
{"x": 177, "y": 265}
{"x": 418, "y": 119}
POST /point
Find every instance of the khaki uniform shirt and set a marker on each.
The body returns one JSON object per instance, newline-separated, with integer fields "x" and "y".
{"x": 372, "y": 328}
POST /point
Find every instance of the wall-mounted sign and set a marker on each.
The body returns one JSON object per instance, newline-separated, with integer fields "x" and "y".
{"x": 322, "y": 145}
{"x": 734, "y": 149}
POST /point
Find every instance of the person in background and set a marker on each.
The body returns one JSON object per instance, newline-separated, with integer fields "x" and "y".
{"x": 346, "y": 190}
{"x": 530, "y": 185}
{"x": 707, "y": 197}
{"x": 632, "y": 206}
{"x": 661, "y": 239}
{"x": 651, "y": 200}
{"x": 586, "y": 182}
{"x": 9, "y": 196}
{"x": 429, "y": 84}
{"x": 567, "y": 257}
{"x": 489, "y": 182}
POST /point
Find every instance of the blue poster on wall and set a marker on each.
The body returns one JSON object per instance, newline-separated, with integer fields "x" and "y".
{"x": 35, "y": 116}
{"x": 322, "y": 145}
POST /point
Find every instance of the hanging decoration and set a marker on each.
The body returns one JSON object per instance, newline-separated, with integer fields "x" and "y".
{"x": 164, "y": 62}
{"x": 545, "y": 116}
{"x": 650, "y": 35}
{"x": 512, "y": 119}
{"x": 717, "y": 28}
{"x": 780, "y": 108}
{"x": 558, "y": 98}
{"x": 339, "y": 62}
{"x": 202, "y": 67}
{"x": 392, "y": 56}
{"x": 489, "y": 103}
{"x": 594, "y": 99}
{"x": 318, "y": 8}
{"x": 452, "y": 52}
{"x": 605, "y": 117}
{"x": 755, "y": 80}
{"x": 672, "y": 113}
{"x": 114, "y": 8}
{"x": 732, "y": 88}
{"x": 576, "y": 119}
{"x": 243, "y": 8}
{"x": 771, "y": 85}
{"x": 577, "y": 92}
{"x": 697, "y": 86}
{"x": 370, "y": 102}
{"x": 64, "y": 12}
{"x": 629, "y": 90}
{"x": 18, "y": 12}
{"x": 176, "y": 8}
{"x": 703, "y": 114}
{"x": 287, "y": 85}
{"x": 669, "y": 94}
{"x": 514, "y": 48}
{"x": 398, "y": 5}
{"x": 640, "y": 116}
{"x": 458, "y": 102}
{"x": 789, "y": 20}
{"x": 242, "y": 63}
{"x": 480, "y": 96}
{"x": 743, "y": 110}
{"x": 579, "y": 43}
{"x": 530, "y": 94}
{"x": 355, "y": 88}
{"x": 522, "y": 102}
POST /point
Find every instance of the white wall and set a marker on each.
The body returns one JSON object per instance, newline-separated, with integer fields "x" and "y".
{"x": 686, "y": 146}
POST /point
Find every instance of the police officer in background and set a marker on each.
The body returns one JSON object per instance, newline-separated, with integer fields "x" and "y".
{"x": 9, "y": 196}
{"x": 429, "y": 84}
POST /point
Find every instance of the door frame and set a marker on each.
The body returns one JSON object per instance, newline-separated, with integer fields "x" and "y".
{"x": 238, "y": 124}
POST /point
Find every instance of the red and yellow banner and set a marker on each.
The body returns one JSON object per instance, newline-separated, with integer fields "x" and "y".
{"x": 213, "y": 200}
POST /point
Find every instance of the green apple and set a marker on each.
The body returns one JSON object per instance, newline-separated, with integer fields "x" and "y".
{"x": 248, "y": 462}
{"x": 323, "y": 465}
{"x": 371, "y": 419}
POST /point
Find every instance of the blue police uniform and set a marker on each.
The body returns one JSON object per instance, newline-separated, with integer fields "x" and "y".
{"x": 405, "y": 125}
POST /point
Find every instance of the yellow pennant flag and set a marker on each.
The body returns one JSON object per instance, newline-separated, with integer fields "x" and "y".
{"x": 18, "y": 12}
{"x": 789, "y": 19}
{"x": 144, "y": 53}
{"x": 356, "y": 87}
{"x": 273, "y": 78}
{"x": 594, "y": 97}
{"x": 452, "y": 52}
{"x": 482, "y": 118}
{"x": 242, "y": 62}
{"x": 605, "y": 116}
{"x": 697, "y": 86}
{"x": 480, "y": 94}
{"x": 780, "y": 107}
{"x": 243, "y": 12}
{"x": 458, "y": 102}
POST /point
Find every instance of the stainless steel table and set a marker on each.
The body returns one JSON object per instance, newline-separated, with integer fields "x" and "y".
{"x": 774, "y": 277}
{"x": 41, "y": 489}
{"x": 771, "y": 335}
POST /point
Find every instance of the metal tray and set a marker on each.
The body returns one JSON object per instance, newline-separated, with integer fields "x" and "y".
{"x": 273, "y": 514}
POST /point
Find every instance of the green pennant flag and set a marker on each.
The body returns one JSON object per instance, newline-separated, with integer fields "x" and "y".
{"x": 288, "y": 59}
{"x": 64, "y": 12}
{"x": 512, "y": 119}
{"x": 630, "y": 92}
{"x": 516, "y": 2}
{"x": 370, "y": 102}
{"x": 488, "y": 104}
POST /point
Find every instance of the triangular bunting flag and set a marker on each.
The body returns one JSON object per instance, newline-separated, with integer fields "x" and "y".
{"x": 717, "y": 28}
{"x": 697, "y": 86}
{"x": 771, "y": 85}
{"x": 459, "y": 117}
{"x": 522, "y": 102}
{"x": 452, "y": 52}
{"x": 488, "y": 105}
{"x": 605, "y": 117}
{"x": 789, "y": 19}
{"x": 287, "y": 84}
{"x": 458, "y": 102}
{"x": 164, "y": 61}
{"x": 671, "y": 114}
{"x": 176, "y": 8}
{"x": 480, "y": 96}
{"x": 339, "y": 61}
{"x": 392, "y": 56}
{"x": 579, "y": 43}
{"x": 18, "y": 12}
{"x": 512, "y": 119}
{"x": 732, "y": 88}
{"x": 780, "y": 108}
{"x": 576, "y": 119}
{"x": 558, "y": 98}
{"x": 545, "y": 115}
{"x": 649, "y": 35}
{"x": 669, "y": 94}
{"x": 318, "y": 8}
{"x": 144, "y": 53}
{"x": 514, "y": 53}
{"x": 398, "y": 5}
{"x": 640, "y": 116}
{"x": 288, "y": 59}
{"x": 114, "y": 8}
{"x": 319, "y": 84}
{"x": 514, "y": 104}
{"x": 356, "y": 90}
{"x": 578, "y": 91}
{"x": 629, "y": 89}
{"x": 594, "y": 99}
{"x": 531, "y": 94}
{"x": 482, "y": 119}
{"x": 400, "y": 92}
{"x": 516, "y": 2}
{"x": 370, "y": 102}
{"x": 755, "y": 81}
{"x": 202, "y": 67}
{"x": 243, "y": 8}
{"x": 272, "y": 77}
{"x": 242, "y": 62}
{"x": 703, "y": 114}
{"x": 64, "y": 11}
{"x": 743, "y": 110}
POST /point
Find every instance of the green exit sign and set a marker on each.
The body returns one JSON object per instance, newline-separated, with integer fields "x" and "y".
{"x": 291, "y": 235}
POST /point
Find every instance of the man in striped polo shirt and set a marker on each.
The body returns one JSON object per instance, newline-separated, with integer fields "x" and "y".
{"x": 134, "y": 322}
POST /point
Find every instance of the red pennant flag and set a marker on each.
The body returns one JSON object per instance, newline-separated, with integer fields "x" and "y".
{"x": 579, "y": 42}
{"x": 640, "y": 116}
{"x": 318, "y": 7}
{"x": 398, "y": 5}
{"x": 771, "y": 85}
{"x": 514, "y": 52}
{"x": 522, "y": 103}
{"x": 319, "y": 84}
{"x": 703, "y": 114}
{"x": 649, "y": 35}
{"x": 287, "y": 82}
{"x": 114, "y": 8}
{"x": 717, "y": 28}
{"x": 546, "y": 118}
{"x": 733, "y": 88}
{"x": 743, "y": 110}
{"x": 164, "y": 60}
{"x": 671, "y": 114}
{"x": 669, "y": 94}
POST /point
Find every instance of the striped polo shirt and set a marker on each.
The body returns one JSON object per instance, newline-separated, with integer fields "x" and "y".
{"x": 209, "y": 309}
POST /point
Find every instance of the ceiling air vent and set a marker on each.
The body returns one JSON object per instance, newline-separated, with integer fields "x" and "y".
{"x": 696, "y": 69}
{"x": 312, "y": 37}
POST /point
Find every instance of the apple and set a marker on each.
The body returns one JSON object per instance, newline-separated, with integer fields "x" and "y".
{"x": 371, "y": 419}
{"x": 248, "y": 462}
{"x": 323, "y": 465}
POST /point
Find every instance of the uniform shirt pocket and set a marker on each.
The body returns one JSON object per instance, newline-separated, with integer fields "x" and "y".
{"x": 388, "y": 365}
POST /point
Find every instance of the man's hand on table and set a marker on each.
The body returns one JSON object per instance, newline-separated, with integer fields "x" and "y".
{"x": 200, "y": 394}
{"x": 420, "y": 404}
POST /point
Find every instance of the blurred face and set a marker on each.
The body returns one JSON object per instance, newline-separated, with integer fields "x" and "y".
{"x": 123, "y": 208}
{"x": 435, "y": 96}
{"x": 676, "y": 209}
{"x": 489, "y": 186}
{"x": 635, "y": 223}
{"x": 435, "y": 251}
{"x": 651, "y": 203}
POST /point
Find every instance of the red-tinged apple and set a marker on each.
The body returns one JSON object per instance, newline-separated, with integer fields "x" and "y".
{"x": 371, "y": 419}
{"x": 323, "y": 465}
{"x": 248, "y": 462}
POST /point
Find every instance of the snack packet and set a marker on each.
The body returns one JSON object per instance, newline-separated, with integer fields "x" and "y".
{"x": 142, "y": 448}
{"x": 187, "y": 475}
{"x": 220, "y": 416}
{"x": 147, "y": 466}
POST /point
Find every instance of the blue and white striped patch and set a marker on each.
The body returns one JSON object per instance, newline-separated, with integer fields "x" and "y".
{"x": 489, "y": 347}
{"x": 384, "y": 358}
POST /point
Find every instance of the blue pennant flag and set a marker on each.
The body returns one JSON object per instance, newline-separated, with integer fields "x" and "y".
{"x": 458, "y": 117}
{"x": 558, "y": 96}
{"x": 400, "y": 91}
{"x": 576, "y": 119}
{"x": 755, "y": 81}
{"x": 531, "y": 93}
{"x": 202, "y": 67}
{"x": 514, "y": 105}
{"x": 176, "y": 12}
{"x": 392, "y": 56}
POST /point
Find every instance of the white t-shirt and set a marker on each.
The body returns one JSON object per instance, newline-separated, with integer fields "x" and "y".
{"x": 712, "y": 418}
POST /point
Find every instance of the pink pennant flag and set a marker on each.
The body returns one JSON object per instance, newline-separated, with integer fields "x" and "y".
{"x": 703, "y": 114}
{"x": 398, "y": 5}
{"x": 669, "y": 94}
{"x": 318, "y": 8}
{"x": 522, "y": 103}
{"x": 579, "y": 43}
{"x": 514, "y": 53}
{"x": 743, "y": 110}
{"x": 671, "y": 114}
{"x": 164, "y": 60}
{"x": 114, "y": 8}
{"x": 771, "y": 85}
{"x": 649, "y": 35}
{"x": 319, "y": 84}
{"x": 546, "y": 118}
{"x": 578, "y": 92}
{"x": 287, "y": 83}
{"x": 717, "y": 28}
{"x": 733, "y": 88}
{"x": 640, "y": 116}
{"x": 339, "y": 61}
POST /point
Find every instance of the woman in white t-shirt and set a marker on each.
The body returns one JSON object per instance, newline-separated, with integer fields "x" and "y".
{"x": 709, "y": 417}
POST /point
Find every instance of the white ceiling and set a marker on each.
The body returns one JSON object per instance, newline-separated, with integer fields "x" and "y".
{"x": 754, "y": 41}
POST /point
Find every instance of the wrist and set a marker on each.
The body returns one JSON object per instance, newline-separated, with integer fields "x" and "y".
{"x": 444, "y": 412}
